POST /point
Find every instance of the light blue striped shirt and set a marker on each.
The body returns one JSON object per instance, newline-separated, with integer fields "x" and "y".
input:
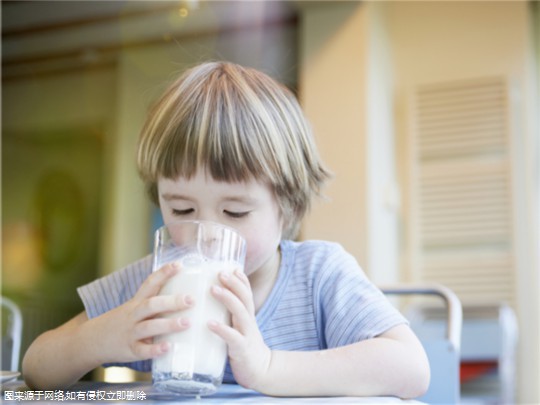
{"x": 321, "y": 299}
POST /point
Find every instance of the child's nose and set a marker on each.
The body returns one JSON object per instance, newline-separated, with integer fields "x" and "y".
{"x": 211, "y": 239}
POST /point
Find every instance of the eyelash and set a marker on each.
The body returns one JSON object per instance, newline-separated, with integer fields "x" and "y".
{"x": 180, "y": 213}
{"x": 234, "y": 215}
{"x": 237, "y": 215}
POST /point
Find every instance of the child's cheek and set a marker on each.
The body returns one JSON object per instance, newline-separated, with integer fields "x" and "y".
{"x": 259, "y": 251}
{"x": 253, "y": 261}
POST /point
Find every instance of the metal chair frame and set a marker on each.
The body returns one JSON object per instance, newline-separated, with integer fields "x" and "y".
{"x": 13, "y": 330}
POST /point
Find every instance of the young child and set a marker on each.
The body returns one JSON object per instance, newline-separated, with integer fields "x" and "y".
{"x": 229, "y": 144}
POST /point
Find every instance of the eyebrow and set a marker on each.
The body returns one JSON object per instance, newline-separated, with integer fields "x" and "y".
{"x": 172, "y": 197}
{"x": 233, "y": 198}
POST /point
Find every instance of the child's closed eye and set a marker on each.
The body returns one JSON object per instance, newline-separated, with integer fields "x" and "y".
{"x": 180, "y": 213}
{"x": 236, "y": 214}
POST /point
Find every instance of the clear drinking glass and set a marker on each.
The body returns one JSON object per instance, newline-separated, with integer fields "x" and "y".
{"x": 196, "y": 361}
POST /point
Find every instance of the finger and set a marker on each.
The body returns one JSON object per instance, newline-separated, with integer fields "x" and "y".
{"x": 161, "y": 304}
{"x": 242, "y": 277}
{"x": 238, "y": 283}
{"x": 157, "y": 280}
{"x": 242, "y": 319}
{"x": 231, "y": 336}
{"x": 160, "y": 326}
{"x": 144, "y": 351}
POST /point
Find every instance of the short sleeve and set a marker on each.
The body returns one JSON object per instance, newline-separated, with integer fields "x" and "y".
{"x": 113, "y": 290}
{"x": 352, "y": 308}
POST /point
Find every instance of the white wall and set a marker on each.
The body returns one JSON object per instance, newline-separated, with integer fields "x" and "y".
{"x": 346, "y": 92}
{"x": 332, "y": 93}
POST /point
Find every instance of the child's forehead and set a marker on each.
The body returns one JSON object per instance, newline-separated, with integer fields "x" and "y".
{"x": 202, "y": 179}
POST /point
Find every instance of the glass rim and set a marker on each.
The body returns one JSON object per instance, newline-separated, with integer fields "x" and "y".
{"x": 201, "y": 222}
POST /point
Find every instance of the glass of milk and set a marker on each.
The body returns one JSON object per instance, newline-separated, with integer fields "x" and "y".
{"x": 196, "y": 361}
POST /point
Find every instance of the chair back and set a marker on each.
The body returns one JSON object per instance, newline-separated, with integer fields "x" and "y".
{"x": 12, "y": 324}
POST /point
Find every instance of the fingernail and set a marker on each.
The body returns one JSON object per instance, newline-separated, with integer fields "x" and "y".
{"x": 188, "y": 300}
{"x": 164, "y": 347}
{"x": 224, "y": 276}
{"x": 212, "y": 324}
{"x": 183, "y": 321}
{"x": 217, "y": 289}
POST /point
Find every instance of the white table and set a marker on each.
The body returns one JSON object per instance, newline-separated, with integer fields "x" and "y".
{"x": 143, "y": 393}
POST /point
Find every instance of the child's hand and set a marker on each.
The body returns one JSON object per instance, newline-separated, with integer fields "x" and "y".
{"x": 126, "y": 333}
{"x": 249, "y": 356}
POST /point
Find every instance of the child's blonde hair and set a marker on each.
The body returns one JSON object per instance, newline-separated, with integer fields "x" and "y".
{"x": 237, "y": 124}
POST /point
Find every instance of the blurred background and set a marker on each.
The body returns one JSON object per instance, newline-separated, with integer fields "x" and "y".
{"x": 426, "y": 112}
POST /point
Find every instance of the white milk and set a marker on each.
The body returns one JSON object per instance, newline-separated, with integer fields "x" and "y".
{"x": 196, "y": 350}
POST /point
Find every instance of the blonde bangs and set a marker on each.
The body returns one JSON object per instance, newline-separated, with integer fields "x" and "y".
{"x": 223, "y": 127}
